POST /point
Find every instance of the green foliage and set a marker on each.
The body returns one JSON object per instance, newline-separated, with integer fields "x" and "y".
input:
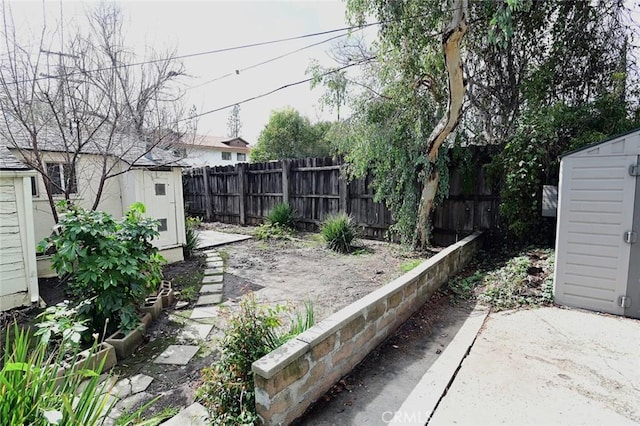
{"x": 138, "y": 419}
{"x": 111, "y": 262}
{"x": 227, "y": 386}
{"x": 463, "y": 288}
{"x": 267, "y": 231}
{"x": 33, "y": 393}
{"x": 339, "y": 231}
{"x": 59, "y": 324}
{"x": 513, "y": 285}
{"x": 192, "y": 236}
{"x": 290, "y": 135}
{"x": 530, "y": 158}
{"x": 282, "y": 215}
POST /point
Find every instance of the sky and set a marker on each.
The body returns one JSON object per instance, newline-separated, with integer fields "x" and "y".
{"x": 198, "y": 26}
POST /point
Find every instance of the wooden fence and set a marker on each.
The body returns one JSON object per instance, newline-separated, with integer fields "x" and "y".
{"x": 314, "y": 187}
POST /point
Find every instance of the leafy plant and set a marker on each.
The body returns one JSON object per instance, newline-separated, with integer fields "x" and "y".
{"x": 339, "y": 232}
{"x": 282, "y": 215}
{"x": 34, "y": 391}
{"x": 60, "y": 324}
{"x": 463, "y": 288}
{"x": 275, "y": 231}
{"x": 227, "y": 386}
{"x": 192, "y": 236}
{"x": 513, "y": 285}
{"x": 111, "y": 262}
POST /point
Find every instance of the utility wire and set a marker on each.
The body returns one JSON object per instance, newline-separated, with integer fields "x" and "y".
{"x": 225, "y": 49}
{"x": 286, "y": 86}
{"x": 284, "y": 55}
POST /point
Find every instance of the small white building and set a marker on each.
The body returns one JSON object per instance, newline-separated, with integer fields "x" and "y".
{"x": 153, "y": 178}
{"x": 200, "y": 151}
{"x": 597, "y": 264}
{"x": 18, "y": 270}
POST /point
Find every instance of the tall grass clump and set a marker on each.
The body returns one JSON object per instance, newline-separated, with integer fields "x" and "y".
{"x": 192, "y": 236}
{"x": 228, "y": 389}
{"x": 34, "y": 390}
{"x": 339, "y": 231}
{"x": 281, "y": 215}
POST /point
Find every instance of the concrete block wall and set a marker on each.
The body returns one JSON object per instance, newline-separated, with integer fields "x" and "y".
{"x": 291, "y": 378}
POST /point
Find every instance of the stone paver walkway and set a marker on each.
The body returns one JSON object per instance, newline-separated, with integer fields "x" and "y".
{"x": 131, "y": 392}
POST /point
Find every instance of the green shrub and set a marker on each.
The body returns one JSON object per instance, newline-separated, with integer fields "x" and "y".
{"x": 111, "y": 262}
{"x": 227, "y": 386}
{"x": 338, "y": 231}
{"x": 192, "y": 236}
{"x": 32, "y": 392}
{"x": 275, "y": 231}
{"x": 282, "y": 215}
{"x": 60, "y": 325}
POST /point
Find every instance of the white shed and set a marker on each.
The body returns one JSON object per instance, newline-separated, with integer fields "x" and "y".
{"x": 597, "y": 264}
{"x": 18, "y": 270}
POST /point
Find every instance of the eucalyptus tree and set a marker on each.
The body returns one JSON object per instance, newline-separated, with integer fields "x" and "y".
{"x": 448, "y": 71}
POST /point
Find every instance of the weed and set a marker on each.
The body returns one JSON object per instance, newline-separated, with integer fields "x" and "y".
{"x": 409, "y": 265}
{"x": 224, "y": 255}
{"x": 275, "y": 231}
{"x": 136, "y": 417}
{"x": 463, "y": 288}
{"x": 281, "y": 215}
{"x": 339, "y": 232}
{"x": 227, "y": 386}
{"x": 512, "y": 285}
{"x": 192, "y": 236}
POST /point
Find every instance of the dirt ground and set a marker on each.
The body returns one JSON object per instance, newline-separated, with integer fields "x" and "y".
{"x": 302, "y": 269}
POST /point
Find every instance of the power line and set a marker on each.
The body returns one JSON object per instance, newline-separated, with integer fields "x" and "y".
{"x": 227, "y": 49}
{"x": 286, "y": 86}
{"x": 284, "y": 55}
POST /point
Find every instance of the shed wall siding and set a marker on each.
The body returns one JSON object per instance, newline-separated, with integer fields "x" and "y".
{"x": 13, "y": 277}
{"x": 595, "y": 210}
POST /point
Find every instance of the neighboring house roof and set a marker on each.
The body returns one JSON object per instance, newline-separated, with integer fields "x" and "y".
{"x": 8, "y": 161}
{"x": 216, "y": 143}
{"x": 126, "y": 147}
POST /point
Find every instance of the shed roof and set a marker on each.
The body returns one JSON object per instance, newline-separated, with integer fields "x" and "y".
{"x": 8, "y": 161}
{"x": 603, "y": 142}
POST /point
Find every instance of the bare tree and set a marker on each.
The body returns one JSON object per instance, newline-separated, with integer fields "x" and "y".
{"x": 88, "y": 97}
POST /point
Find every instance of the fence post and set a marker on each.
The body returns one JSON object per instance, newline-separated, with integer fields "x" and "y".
{"x": 343, "y": 192}
{"x": 240, "y": 167}
{"x": 286, "y": 171}
{"x": 207, "y": 193}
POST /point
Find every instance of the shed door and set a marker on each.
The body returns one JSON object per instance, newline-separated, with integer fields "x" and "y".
{"x": 13, "y": 276}
{"x": 160, "y": 200}
{"x": 597, "y": 202}
{"x": 633, "y": 283}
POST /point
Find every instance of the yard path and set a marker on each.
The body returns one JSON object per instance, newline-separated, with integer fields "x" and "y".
{"x": 131, "y": 392}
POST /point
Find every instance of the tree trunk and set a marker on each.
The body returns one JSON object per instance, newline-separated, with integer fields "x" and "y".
{"x": 451, "y": 42}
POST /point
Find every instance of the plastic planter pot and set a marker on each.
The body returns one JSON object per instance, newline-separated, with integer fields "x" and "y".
{"x": 153, "y": 306}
